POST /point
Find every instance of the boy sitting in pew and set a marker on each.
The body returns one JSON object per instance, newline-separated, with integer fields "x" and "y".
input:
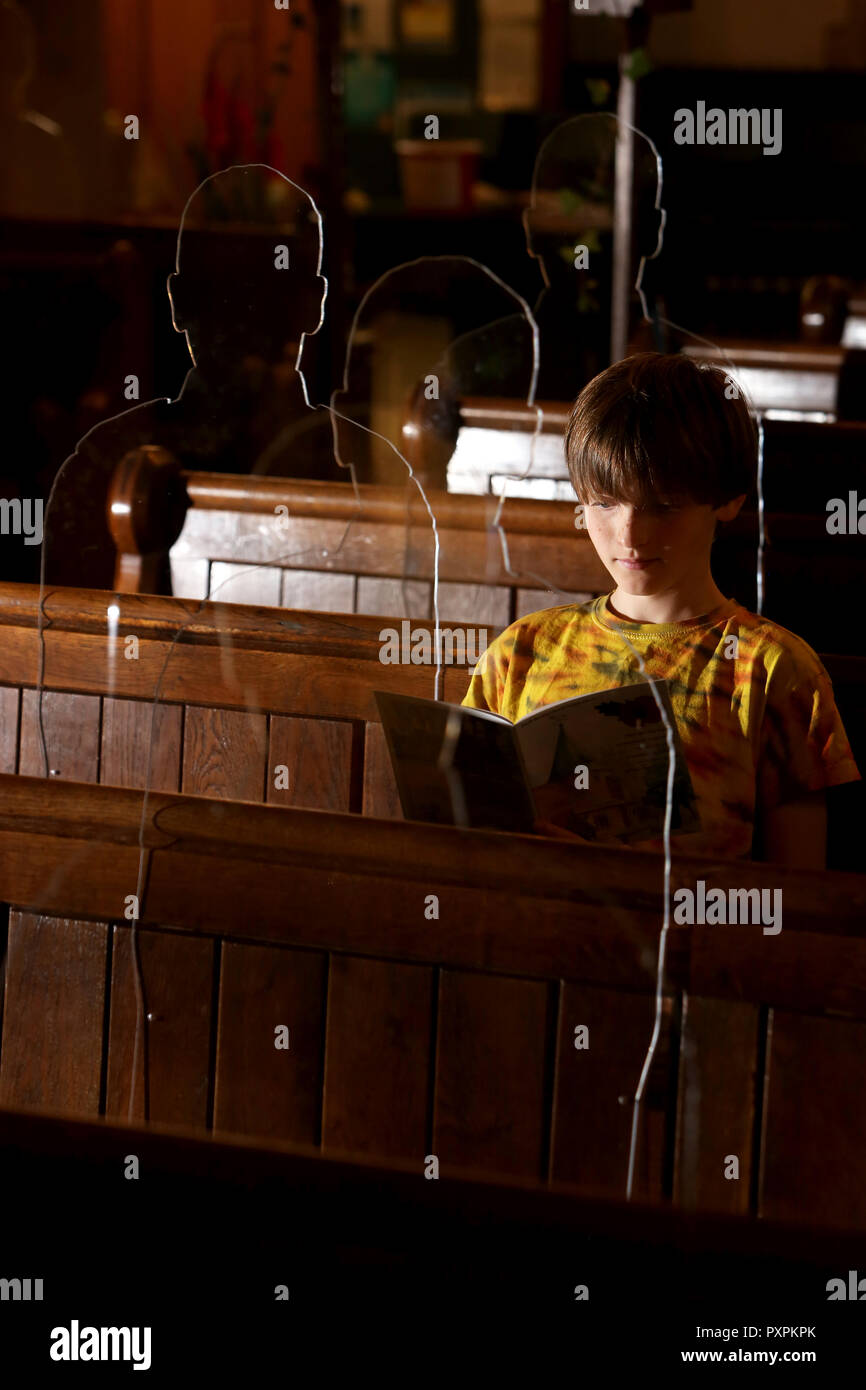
{"x": 660, "y": 450}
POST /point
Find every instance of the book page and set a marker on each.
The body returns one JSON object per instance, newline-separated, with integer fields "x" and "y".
{"x": 598, "y": 765}
{"x": 480, "y": 765}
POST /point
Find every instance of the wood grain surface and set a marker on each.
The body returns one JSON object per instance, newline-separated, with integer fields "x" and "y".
{"x": 453, "y": 1031}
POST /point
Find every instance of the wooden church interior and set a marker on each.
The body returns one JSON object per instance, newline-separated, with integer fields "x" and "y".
{"x": 247, "y": 544}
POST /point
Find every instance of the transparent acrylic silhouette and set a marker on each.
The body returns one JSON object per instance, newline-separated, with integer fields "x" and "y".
{"x": 247, "y": 293}
{"x": 187, "y": 425}
{"x": 246, "y": 320}
{"x": 426, "y": 334}
{"x": 489, "y": 348}
{"x": 569, "y": 227}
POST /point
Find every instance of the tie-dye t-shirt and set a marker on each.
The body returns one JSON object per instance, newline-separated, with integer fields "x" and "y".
{"x": 756, "y": 715}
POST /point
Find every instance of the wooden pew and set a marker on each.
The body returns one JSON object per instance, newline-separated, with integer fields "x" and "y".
{"x": 241, "y": 691}
{"x": 800, "y": 377}
{"x": 805, "y": 465}
{"x": 341, "y": 551}
{"x": 413, "y": 1034}
{"x": 809, "y": 570}
{"x": 245, "y": 691}
{"x": 346, "y": 1235}
{"x": 330, "y": 555}
{"x": 801, "y": 458}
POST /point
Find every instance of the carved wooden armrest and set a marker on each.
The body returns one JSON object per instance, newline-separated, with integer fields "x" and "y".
{"x": 147, "y": 506}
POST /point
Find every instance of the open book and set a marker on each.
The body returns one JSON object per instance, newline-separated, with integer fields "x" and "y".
{"x": 596, "y": 764}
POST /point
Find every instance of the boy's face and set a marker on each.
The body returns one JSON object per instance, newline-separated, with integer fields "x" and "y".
{"x": 663, "y": 548}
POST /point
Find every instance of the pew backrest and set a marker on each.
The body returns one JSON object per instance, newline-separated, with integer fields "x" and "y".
{"x": 253, "y": 704}
{"x": 373, "y": 551}
{"x": 407, "y": 992}
{"x": 328, "y": 547}
{"x": 810, "y": 471}
{"x": 213, "y": 699}
{"x": 795, "y": 377}
{"x": 499, "y": 441}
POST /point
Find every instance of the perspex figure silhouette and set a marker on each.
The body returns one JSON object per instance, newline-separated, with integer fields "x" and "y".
{"x": 247, "y": 292}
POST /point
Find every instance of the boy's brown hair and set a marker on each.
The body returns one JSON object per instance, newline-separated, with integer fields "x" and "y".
{"x": 659, "y": 425}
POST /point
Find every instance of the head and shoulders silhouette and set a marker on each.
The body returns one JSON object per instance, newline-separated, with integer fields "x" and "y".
{"x": 569, "y": 229}
{"x": 247, "y": 292}
{"x": 438, "y": 328}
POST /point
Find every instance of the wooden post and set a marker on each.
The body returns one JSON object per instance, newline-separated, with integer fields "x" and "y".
{"x": 622, "y": 212}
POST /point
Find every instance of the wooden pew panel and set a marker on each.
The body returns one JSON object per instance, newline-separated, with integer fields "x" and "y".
{"x": 317, "y": 755}
{"x": 240, "y": 583}
{"x": 592, "y": 1105}
{"x": 10, "y": 703}
{"x": 53, "y": 1013}
{"x": 409, "y": 598}
{"x": 141, "y": 744}
{"x": 377, "y": 1058}
{"x": 483, "y": 605}
{"x": 190, "y": 578}
{"x": 224, "y": 754}
{"x": 719, "y": 1057}
{"x": 71, "y": 726}
{"x": 816, "y": 1067}
{"x": 177, "y": 975}
{"x": 494, "y": 1064}
{"x": 258, "y": 904}
{"x": 381, "y": 798}
{"x": 261, "y": 1089}
{"x": 312, "y": 591}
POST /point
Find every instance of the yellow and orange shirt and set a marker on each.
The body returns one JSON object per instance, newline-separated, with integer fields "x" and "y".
{"x": 756, "y": 715}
